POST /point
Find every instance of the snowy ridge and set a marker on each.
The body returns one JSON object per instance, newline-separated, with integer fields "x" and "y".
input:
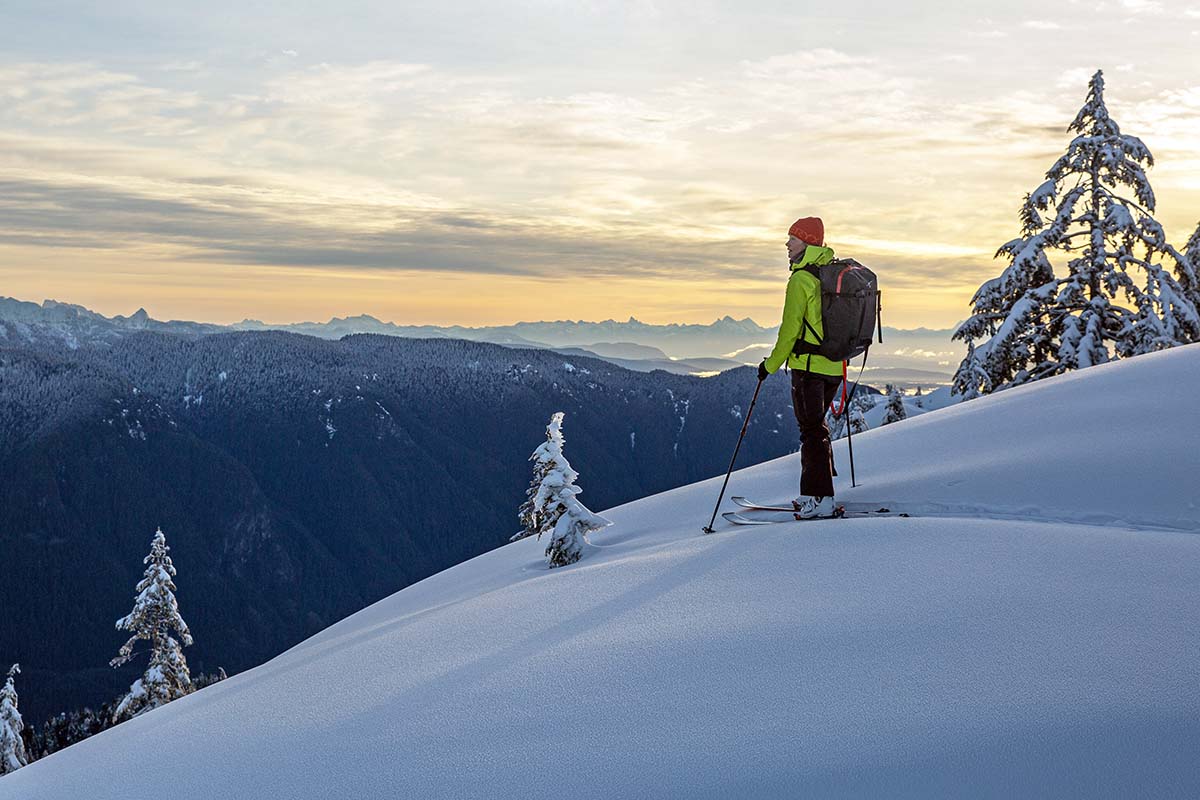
{"x": 869, "y": 657}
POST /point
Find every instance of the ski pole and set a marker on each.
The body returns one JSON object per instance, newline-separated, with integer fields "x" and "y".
{"x": 846, "y": 403}
{"x": 708, "y": 528}
{"x": 850, "y": 445}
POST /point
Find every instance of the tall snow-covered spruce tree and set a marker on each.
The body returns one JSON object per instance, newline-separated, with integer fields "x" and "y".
{"x": 552, "y": 506}
{"x": 154, "y": 616}
{"x": 1115, "y": 300}
{"x": 12, "y": 747}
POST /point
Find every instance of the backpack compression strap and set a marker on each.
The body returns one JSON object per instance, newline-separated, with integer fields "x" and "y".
{"x": 836, "y": 411}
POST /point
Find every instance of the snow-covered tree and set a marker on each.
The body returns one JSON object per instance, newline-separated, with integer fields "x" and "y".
{"x": 1041, "y": 324}
{"x": 552, "y": 505}
{"x": 569, "y": 535}
{"x": 552, "y": 480}
{"x": 972, "y": 379}
{"x": 154, "y": 616}
{"x": 895, "y": 406}
{"x": 12, "y": 747}
{"x": 854, "y": 416}
{"x": 1187, "y": 268}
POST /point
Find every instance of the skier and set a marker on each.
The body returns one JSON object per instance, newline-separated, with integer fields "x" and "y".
{"x": 815, "y": 379}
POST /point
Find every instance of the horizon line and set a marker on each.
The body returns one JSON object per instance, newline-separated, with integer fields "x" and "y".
{"x": 50, "y": 302}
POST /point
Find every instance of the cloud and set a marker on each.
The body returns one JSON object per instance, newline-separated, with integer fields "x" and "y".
{"x": 986, "y": 29}
{"x": 224, "y": 224}
{"x": 1076, "y": 78}
{"x": 1041, "y": 25}
{"x": 49, "y": 95}
{"x": 182, "y": 66}
{"x": 388, "y": 165}
{"x": 1141, "y": 6}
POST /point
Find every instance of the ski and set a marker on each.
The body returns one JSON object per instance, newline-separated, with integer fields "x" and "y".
{"x": 744, "y": 503}
{"x": 760, "y": 516}
{"x": 854, "y": 508}
{"x": 738, "y": 519}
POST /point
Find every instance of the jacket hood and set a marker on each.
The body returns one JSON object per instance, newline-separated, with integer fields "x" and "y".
{"x": 813, "y": 255}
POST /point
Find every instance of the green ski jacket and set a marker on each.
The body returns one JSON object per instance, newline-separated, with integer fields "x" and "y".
{"x": 803, "y": 301}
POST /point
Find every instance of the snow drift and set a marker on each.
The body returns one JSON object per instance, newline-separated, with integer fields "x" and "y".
{"x": 1030, "y": 631}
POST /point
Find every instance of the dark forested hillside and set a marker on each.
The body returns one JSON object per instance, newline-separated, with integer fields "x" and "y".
{"x": 300, "y": 479}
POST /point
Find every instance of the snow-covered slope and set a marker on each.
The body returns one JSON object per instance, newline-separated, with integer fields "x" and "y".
{"x": 1034, "y": 636}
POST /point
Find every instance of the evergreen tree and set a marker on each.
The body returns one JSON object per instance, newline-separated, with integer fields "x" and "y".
{"x": 155, "y": 614}
{"x": 569, "y": 535}
{"x": 552, "y": 480}
{"x": 552, "y": 506}
{"x": 1187, "y": 268}
{"x": 12, "y": 746}
{"x": 854, "y": 416}
{"x": 69, "y": 727}
{"x": 895, "y": 406}
{"x": 1163, "y": 315}
{"x": 972, "y": 379}
{"x": 1041, "y": 325}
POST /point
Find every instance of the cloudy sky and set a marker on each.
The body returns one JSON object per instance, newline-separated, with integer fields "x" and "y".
{"x": 480, "y": 163}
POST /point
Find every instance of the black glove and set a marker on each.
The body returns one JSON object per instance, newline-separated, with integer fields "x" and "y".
{"x": 762, "y": 370}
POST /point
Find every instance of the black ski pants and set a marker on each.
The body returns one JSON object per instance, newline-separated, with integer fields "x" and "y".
{"x": 811, "y": 395}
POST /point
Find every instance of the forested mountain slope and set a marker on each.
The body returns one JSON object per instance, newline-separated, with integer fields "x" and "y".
{"x": 299, "y": 479}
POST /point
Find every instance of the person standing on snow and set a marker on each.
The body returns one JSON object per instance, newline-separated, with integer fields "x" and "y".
{"x": 815, "y": 379}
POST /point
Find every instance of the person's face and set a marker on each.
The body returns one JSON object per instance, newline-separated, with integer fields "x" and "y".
{"x": 795, "y": 247}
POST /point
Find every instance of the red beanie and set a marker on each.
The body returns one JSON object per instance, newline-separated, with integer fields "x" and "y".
{"x": 810, "y": 230}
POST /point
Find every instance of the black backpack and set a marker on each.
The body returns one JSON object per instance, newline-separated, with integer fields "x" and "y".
{"x": 851, "y": 307}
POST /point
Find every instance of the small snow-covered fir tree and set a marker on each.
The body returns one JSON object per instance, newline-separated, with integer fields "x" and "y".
{"x": 1037, "y": 324}
{"x": 972, "y": 379}
{"x": 12, "y": 747}
{"x": 895, "y": 406}
{"x": 154, "y": 616}
{"x": 854, "y": 416}
{"x": 552, "y": 505}
{"x": 553, "y": 479}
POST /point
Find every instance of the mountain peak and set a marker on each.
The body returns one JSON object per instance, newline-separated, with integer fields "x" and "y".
{"x": 358, "y": 318}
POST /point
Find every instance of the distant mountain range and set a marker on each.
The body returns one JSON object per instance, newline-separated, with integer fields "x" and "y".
{"x": 680, "y": 348}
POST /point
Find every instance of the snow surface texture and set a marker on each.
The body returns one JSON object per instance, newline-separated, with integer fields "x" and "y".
{"x": 1049, "y": 651}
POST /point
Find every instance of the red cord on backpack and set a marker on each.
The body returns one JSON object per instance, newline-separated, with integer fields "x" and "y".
{"x": 838, "y": 412}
